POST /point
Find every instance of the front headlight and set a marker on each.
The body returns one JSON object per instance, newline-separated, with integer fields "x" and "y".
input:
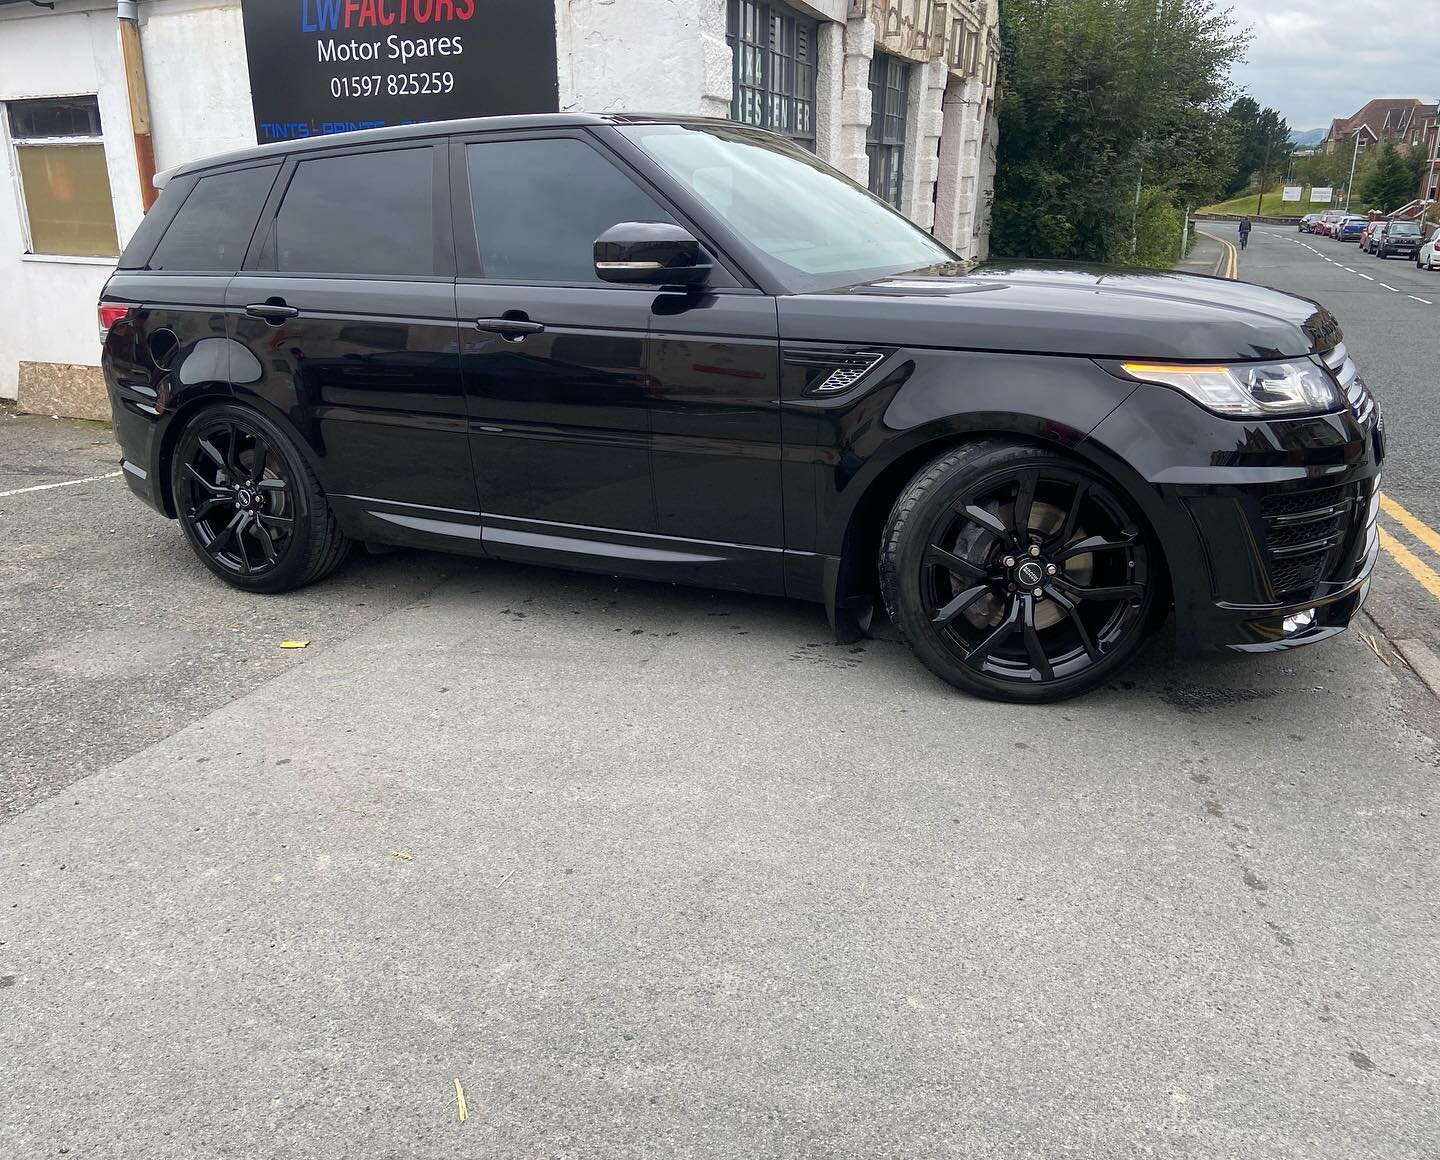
{"x": 1248, "y": 390}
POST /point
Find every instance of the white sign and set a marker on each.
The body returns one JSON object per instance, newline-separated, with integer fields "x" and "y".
{"x": 1292, "y": 193}
{"x": 1321, "y": 194}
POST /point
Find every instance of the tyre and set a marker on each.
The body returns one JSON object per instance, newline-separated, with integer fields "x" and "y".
{"x": 249, "y": 504}
{"x": 1019, "y": 575}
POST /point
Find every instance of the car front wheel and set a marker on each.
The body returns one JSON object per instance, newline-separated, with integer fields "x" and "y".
{"x": 249, "y": 504}
{"x": 1018, "y": 574}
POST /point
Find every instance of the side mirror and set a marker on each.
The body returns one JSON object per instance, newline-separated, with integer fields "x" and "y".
{"x": 651, "y": 254}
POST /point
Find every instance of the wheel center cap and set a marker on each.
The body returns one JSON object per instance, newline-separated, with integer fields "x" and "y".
{"x": 1030, "y": 574}
{"x": 245, "y": 496}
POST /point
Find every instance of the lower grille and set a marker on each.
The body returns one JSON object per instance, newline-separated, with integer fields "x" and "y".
{"x": 1304, "y": 534}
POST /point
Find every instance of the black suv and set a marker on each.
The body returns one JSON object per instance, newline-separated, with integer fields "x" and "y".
{"x": 1398, "y": 239}
{"x": 687, "y": 350}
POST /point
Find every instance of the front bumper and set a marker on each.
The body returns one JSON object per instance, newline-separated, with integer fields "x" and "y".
{"x": 1269, "y": 528}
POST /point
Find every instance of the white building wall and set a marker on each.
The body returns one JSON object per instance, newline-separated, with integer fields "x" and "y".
{"x": 643, "y": 56}
{"x": 200, "y": 103}
{"x": 851, "y": 158}
{"x": 198, "y": 78}
{"x": 923, "y": 121}
{"x": 47, "y": 304}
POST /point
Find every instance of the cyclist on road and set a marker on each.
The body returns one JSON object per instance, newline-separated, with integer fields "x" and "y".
{"x": 1244, "y": 231}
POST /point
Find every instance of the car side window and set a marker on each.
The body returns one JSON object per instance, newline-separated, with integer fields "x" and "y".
{"x": 539, "y": 205}
{"x": 359, "y": 213}
{"x": 212, "y": 228}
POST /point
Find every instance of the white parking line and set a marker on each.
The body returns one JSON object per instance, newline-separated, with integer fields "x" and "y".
{"x": 65, "y": 483}
{"x": 1348, "y": 270}
{"x": 1390, "y": 288}
{"x": 1367, "y": 277}
{"x": 1418, "y": 299}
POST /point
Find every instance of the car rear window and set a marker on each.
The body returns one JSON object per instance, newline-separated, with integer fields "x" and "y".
{"x": 360, "y": 213}
{"x": 213, "y": 227}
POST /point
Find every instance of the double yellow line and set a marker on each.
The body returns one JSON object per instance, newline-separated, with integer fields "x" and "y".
{"x": 1427, "y": 576}
{"x": 1229, "y": 261}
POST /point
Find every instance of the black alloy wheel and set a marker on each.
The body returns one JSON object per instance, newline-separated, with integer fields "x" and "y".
{"x": 249, "y": 504}
{"x": 1019, "y": 575}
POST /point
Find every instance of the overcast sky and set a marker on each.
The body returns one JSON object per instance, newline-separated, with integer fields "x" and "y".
{"x": 1317, "y": 59}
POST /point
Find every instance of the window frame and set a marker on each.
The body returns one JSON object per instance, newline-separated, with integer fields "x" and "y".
{"x": 768, "y": 94}
{"x": 880, "y": 143}
{"x": 470, "y": 269}
{"x": 15, "y": 143}
{"x": 261, "y": 256}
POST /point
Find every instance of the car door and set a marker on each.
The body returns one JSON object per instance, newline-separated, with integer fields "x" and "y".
{"x": 554, "y": 360}
{"x": 609, "y": 413}
{"x": 347, "y": 304}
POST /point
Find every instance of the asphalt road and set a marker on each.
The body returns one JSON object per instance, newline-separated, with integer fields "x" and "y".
{"x": 655, "y": 872}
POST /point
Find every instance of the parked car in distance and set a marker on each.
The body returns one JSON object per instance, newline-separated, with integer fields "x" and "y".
{"x": 1425, "y": 256}
{"x": 1350, "y": 229}
{"x": 1326, "y": 222}
{"x": 689, "y": 351}
{"x": 1399, "y": 240}
{"x": 1307, "y": 223}
{"x": 1372, "y": 233}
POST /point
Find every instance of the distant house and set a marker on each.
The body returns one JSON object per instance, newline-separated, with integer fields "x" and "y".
{"x": 1429, "y": 188}
{"x": 1396, "y": 119}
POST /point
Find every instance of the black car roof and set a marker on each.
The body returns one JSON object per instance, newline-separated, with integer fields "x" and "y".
{"x": 425, "y": 129}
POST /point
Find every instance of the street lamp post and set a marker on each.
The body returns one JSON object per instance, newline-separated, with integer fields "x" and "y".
{"x": 1354, "y": 156}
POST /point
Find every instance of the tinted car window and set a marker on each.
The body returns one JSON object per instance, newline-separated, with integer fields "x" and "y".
{"x": 214, "y": 224}
{"x": 540, "y": 205}
{"x": 361, "y": 213}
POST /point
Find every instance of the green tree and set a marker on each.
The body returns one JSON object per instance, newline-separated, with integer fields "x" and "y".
{"x": 1111, "y": 121}
{"x": 1261, "y": 136}
{"x": 1394, "y": 179}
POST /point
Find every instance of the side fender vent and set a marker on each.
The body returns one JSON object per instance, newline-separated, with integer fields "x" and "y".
{"x": 830, "y": 371}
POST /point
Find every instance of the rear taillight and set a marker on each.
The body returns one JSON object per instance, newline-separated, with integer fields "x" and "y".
{"x": 110, "y": 314}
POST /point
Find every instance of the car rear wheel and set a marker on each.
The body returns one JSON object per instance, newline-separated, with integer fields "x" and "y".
{"x": 1019, "y": 575}
{"x": 249, "y": 504}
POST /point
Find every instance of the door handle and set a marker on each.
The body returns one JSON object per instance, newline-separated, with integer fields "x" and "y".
{"x": 271, "y": 311}
{"x": 509, "y": 327}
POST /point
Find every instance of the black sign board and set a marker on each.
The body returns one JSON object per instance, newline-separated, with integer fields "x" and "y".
{"x": 329, "y": 66}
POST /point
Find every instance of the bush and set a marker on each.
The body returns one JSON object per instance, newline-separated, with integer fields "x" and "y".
{"x": 1158, "y": 226}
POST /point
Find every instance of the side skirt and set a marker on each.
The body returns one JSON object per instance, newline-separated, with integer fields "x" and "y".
{"x": 751, "y": 568}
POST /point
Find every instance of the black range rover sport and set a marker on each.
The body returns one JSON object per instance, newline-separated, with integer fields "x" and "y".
{"x": 687, "y": 350}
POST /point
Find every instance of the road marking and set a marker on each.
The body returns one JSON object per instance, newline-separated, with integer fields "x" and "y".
{"x": 66, "y": 483}
{"x": 1348, "y": 270}
{"x": 1390, "y": 288}
{"x": 1367, "y": 277}
{"x": 1230, "y": 258}
{"x": 1418, "y": 299}
{"x": 1411, "y": 523}
{"x": 1411, "y": 563}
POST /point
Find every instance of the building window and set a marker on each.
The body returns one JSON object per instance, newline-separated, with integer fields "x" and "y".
{"x": 64, "y": 185}
{"x": 885, "y": 139}
{"x": 774, "y": 48}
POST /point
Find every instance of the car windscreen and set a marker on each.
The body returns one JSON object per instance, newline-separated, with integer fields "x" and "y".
{"x": 1411, "y": 229}
{"x": 819, "y": 228}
